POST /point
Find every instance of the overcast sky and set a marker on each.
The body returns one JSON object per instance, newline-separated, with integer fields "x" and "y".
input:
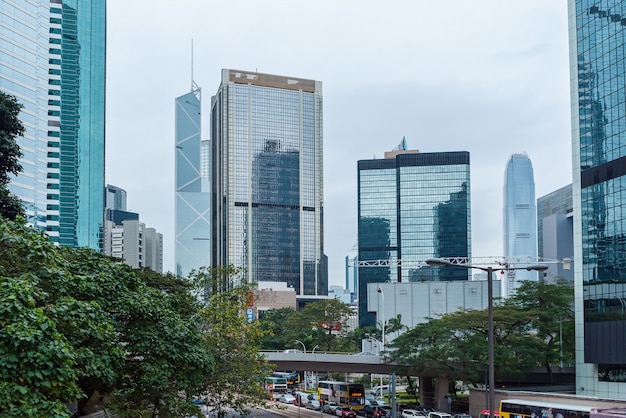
{"x": 486, "y": 76}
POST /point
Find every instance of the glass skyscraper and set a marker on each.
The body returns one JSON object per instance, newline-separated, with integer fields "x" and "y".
{"x": 555, "y": 232}
{"x": 412, "y": 206}
{"x": 53, "y": 60}
{"x": 192, "y": 188}
{"x": 267, "y": 188}
{"x": 598, "y": 80}
{"x": 520, "y": 220}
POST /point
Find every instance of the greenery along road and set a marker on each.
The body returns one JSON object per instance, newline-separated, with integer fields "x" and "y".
{"x": 79, "y": 327}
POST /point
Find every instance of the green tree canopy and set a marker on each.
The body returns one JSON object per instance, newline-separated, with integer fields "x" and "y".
{"x": 10, "y": 128}
{"x": 239, "y": 372}
{"x": 525, "y": 329}
{"x": 81, "y": 327}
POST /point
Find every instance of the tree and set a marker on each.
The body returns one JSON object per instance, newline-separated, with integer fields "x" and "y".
{"x": 525, "y": 330}
{"x": 37, "y": 375}
{"x": 278, "y": 329}
{"x": 237, "y": 379}
{"x": 77, "y": 326}
{"x": 395, "y": 325}
{"x": 327, "y": 319}
{"x": 551, "y": 308}
{"x": 10, "y": 128}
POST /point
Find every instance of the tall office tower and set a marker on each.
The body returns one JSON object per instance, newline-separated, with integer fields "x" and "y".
{"x": 53, "y": 61}
{"x": 555, "y": 232}
{"x": 192, "y": 249}
{"x": 352, "y": 270}
{"x": 412, "y": 206}
{"x": 267, "y": 188}
{"x": 115, "y": 198}
{"x": 520, "y": 220}
{"x": 115, "y": 207}
{"x": 598, "y": 76}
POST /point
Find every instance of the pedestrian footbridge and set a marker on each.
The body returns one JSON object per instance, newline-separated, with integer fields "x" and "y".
{"x": 332, "y": 362}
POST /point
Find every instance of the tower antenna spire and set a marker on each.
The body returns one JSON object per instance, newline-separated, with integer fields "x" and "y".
{"x": 194, "y": 86}
{"x": 192, "y": 82}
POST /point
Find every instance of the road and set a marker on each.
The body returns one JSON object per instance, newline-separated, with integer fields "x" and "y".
{"x": 290, "y": 411}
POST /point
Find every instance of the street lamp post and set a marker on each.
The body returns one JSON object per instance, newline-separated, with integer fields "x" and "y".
{"x": 304, "y": 350}
{"x": 382, "y": 316}
{"x": 490, "y": 332}
{"x": 382, "y": 320}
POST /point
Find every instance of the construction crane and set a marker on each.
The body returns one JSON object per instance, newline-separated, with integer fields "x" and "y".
{"x": 475, "y": 261}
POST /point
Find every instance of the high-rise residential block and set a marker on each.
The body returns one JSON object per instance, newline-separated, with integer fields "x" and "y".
{"x": 267, "y": 179}
{"x": 412, "y": 206}
{"x": 53, "y": 60}
{"x": 520, "y": 220}
{"x": 598, "y": 76}
{"x": 192, "y": 249}
{"x": 134, "y": 244}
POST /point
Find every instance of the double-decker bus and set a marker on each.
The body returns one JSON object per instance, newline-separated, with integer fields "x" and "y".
{"x": 344, "y": 393}
{"x": 275, "y": 386}
{"x": 292, "y": 378}
{"x": 608, "y": 413}
{"x": 516, "y": 408}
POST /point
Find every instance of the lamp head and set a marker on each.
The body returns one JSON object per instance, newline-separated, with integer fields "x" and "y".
{"x": 434, "y": 262}
{"x": 537, "y": 267}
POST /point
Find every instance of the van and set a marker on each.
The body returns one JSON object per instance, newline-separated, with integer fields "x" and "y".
{"x": 379, "y": 391}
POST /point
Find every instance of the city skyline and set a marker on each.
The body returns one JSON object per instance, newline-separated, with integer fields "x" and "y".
{"x": 439, "y": 76}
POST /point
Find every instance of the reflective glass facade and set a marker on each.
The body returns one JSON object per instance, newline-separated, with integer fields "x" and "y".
{"x": 24, "y": 72}
{"x": 520, "y": 219}
{"x": 412, "y": 207}
{"x": 598, "y": 75}
{"x": 192, "y": 188}
{"x": 83, "y": 74}
{"x": 53, "y": 60}
{"x": 267, "y": 188}
{"x": 555, "y": 232}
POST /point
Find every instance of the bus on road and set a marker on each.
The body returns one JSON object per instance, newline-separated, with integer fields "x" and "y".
{"x": 344, "y": 393}
{"x": 292, "y": 378}
{"x": 608, "y": 413}
{"x": 275, "y": 386}
{"x": 515, "y": 408}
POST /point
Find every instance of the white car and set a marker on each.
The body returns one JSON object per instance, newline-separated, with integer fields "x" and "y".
{"x": 313, "y": 404}
{"x": 411, "y": 413}
{"x": 286, "y": 398}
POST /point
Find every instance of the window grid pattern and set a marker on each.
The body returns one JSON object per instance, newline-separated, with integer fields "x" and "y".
{"x": 269, "y": 145}
{"x": 601, "y": 89}
{"x": 412, "y": 211}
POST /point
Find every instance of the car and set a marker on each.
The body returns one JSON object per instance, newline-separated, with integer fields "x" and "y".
{"x": 438, "y": 414}
{"x": 408, "y": 413}
{"x": 329, "y": 407}
{"x": 302, "y": 398}
{"x": 344, "y": 411}
{"x": 313, "y": 404}
{"x": 292, "y": 350}
{"x": 365, "y": 353}
{"x": 371, "y": 411}
{"x": 286, "y": 398}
